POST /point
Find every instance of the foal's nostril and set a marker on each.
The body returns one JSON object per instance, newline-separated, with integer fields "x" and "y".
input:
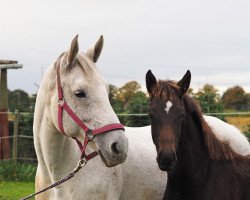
{"x": 114, "y": 148}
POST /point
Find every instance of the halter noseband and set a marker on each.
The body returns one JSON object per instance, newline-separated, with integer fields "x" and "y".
{"x": 89, "y": 133}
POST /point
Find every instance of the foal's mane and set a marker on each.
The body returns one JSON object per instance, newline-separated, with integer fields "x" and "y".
{"x": 217, "y": 150}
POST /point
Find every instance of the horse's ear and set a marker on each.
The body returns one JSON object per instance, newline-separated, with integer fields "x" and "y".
{"x": 150, "y": 81}
{"x": 95, "y": 52}
{"x": 185, "y": 82}
{"x": 72, "y": 52}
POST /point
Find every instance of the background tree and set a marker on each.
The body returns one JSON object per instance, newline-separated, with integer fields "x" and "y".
{"x": 114, "y": 101}
{"x": 19, "y": 100}
{"x": 235, "y": 98}
{"x": 32, "y": 102}
{"x": 190, "y": 91}
{"x": 138, "y": 104}
{"x": 248, "y": 101}
{"x": 25, "y": 145}
{"x": 128, "y": 99}
{"x": 209, "y": 99}
{"x": 126, "y": 92}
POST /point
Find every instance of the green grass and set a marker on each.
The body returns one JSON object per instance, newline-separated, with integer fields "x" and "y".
{"x": 15, "y": 190}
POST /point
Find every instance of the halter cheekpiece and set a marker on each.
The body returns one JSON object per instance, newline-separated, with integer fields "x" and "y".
{"x": 89, "y": 133}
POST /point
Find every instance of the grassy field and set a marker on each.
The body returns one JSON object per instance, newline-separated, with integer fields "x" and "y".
{"x": 15, "y": 190}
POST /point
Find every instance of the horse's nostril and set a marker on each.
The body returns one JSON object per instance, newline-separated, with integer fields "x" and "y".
{"x": 114, "y": 148}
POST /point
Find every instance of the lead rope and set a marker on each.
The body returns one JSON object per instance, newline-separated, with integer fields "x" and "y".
{"x": 80, "y": 165}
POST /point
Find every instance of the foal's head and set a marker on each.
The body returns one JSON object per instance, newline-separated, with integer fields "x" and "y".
{"x": 166, "y": 111}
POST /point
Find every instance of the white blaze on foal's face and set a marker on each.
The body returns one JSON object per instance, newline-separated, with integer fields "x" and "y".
{"x": 168, "y": 106}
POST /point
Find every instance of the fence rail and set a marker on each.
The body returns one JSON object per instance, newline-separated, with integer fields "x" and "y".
{"x": 213, "y": 114}
{"x": 17, "y": 136}
{"x": 21, "y": 144}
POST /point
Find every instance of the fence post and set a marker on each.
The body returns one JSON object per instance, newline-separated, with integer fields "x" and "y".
{"x": 16, "y": 121}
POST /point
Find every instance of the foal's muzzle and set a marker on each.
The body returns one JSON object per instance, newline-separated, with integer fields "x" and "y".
{"x": 166, "y": 162}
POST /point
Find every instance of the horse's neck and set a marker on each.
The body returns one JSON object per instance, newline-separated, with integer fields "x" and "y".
{"x": 192, "y": 139}
{"x": 59, "y": 151}
{"x": 192, "y": 156}
{"x": 53, "y": 149}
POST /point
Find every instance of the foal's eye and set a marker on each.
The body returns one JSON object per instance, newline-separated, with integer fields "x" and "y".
{"x": 80, "y": 94}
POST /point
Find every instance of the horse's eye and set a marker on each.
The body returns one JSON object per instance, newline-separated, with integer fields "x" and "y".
{"x": 80, "y": 94}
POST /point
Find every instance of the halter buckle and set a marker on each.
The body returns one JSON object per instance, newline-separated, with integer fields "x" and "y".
{"x": 89, "y": 135}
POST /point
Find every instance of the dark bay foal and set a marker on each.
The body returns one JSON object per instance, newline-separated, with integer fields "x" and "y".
{"x": 199, "y": 166}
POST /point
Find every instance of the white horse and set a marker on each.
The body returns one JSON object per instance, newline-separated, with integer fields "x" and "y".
{"x": 103, "y": 177}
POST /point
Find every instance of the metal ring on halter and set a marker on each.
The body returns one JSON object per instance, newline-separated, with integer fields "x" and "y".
{"x": 61, "y": 102}
{"x": 80, "y": 164}
{"x": 89, "y": 135}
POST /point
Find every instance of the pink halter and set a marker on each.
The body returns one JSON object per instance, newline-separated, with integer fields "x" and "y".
{"x": 89, "y": 133}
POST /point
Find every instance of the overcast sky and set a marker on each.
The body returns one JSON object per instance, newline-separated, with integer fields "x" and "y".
{"x": 209, "y": 37}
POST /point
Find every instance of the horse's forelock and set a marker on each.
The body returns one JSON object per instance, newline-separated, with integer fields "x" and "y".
{"x": 164, "y": 89}
{"x": 88, "y": 68}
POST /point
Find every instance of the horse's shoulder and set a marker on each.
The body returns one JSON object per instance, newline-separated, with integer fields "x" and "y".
{"x": 139, "y": 135}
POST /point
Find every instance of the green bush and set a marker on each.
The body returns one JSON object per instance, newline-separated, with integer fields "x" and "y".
{"x": 25, "y": 147}
{"x": 248, "y": 136}
{"x": 9, "y": 171}
{"x": 247, "y": 133}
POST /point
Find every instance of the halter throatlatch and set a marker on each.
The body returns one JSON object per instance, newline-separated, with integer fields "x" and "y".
{"x": 89, "y": 133}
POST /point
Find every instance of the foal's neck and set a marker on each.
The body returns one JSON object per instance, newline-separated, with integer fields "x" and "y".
{"x": 192, "y": 156}
{"x": 192, "y": 143}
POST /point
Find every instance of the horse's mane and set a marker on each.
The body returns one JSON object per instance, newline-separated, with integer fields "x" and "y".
{"x": 217, "y": 150}
{"x": 90, "y": 71}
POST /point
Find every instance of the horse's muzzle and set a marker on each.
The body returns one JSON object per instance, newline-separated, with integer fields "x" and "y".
{"x": 115, "y": 152}
{"x": 166, "y": 162}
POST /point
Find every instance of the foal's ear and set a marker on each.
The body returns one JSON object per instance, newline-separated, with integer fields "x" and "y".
{"x": 185, "y": 82}
{"x": 150, "y": 81}
{"x": 95, "y": 52}
{"x": 72, "y": 52}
